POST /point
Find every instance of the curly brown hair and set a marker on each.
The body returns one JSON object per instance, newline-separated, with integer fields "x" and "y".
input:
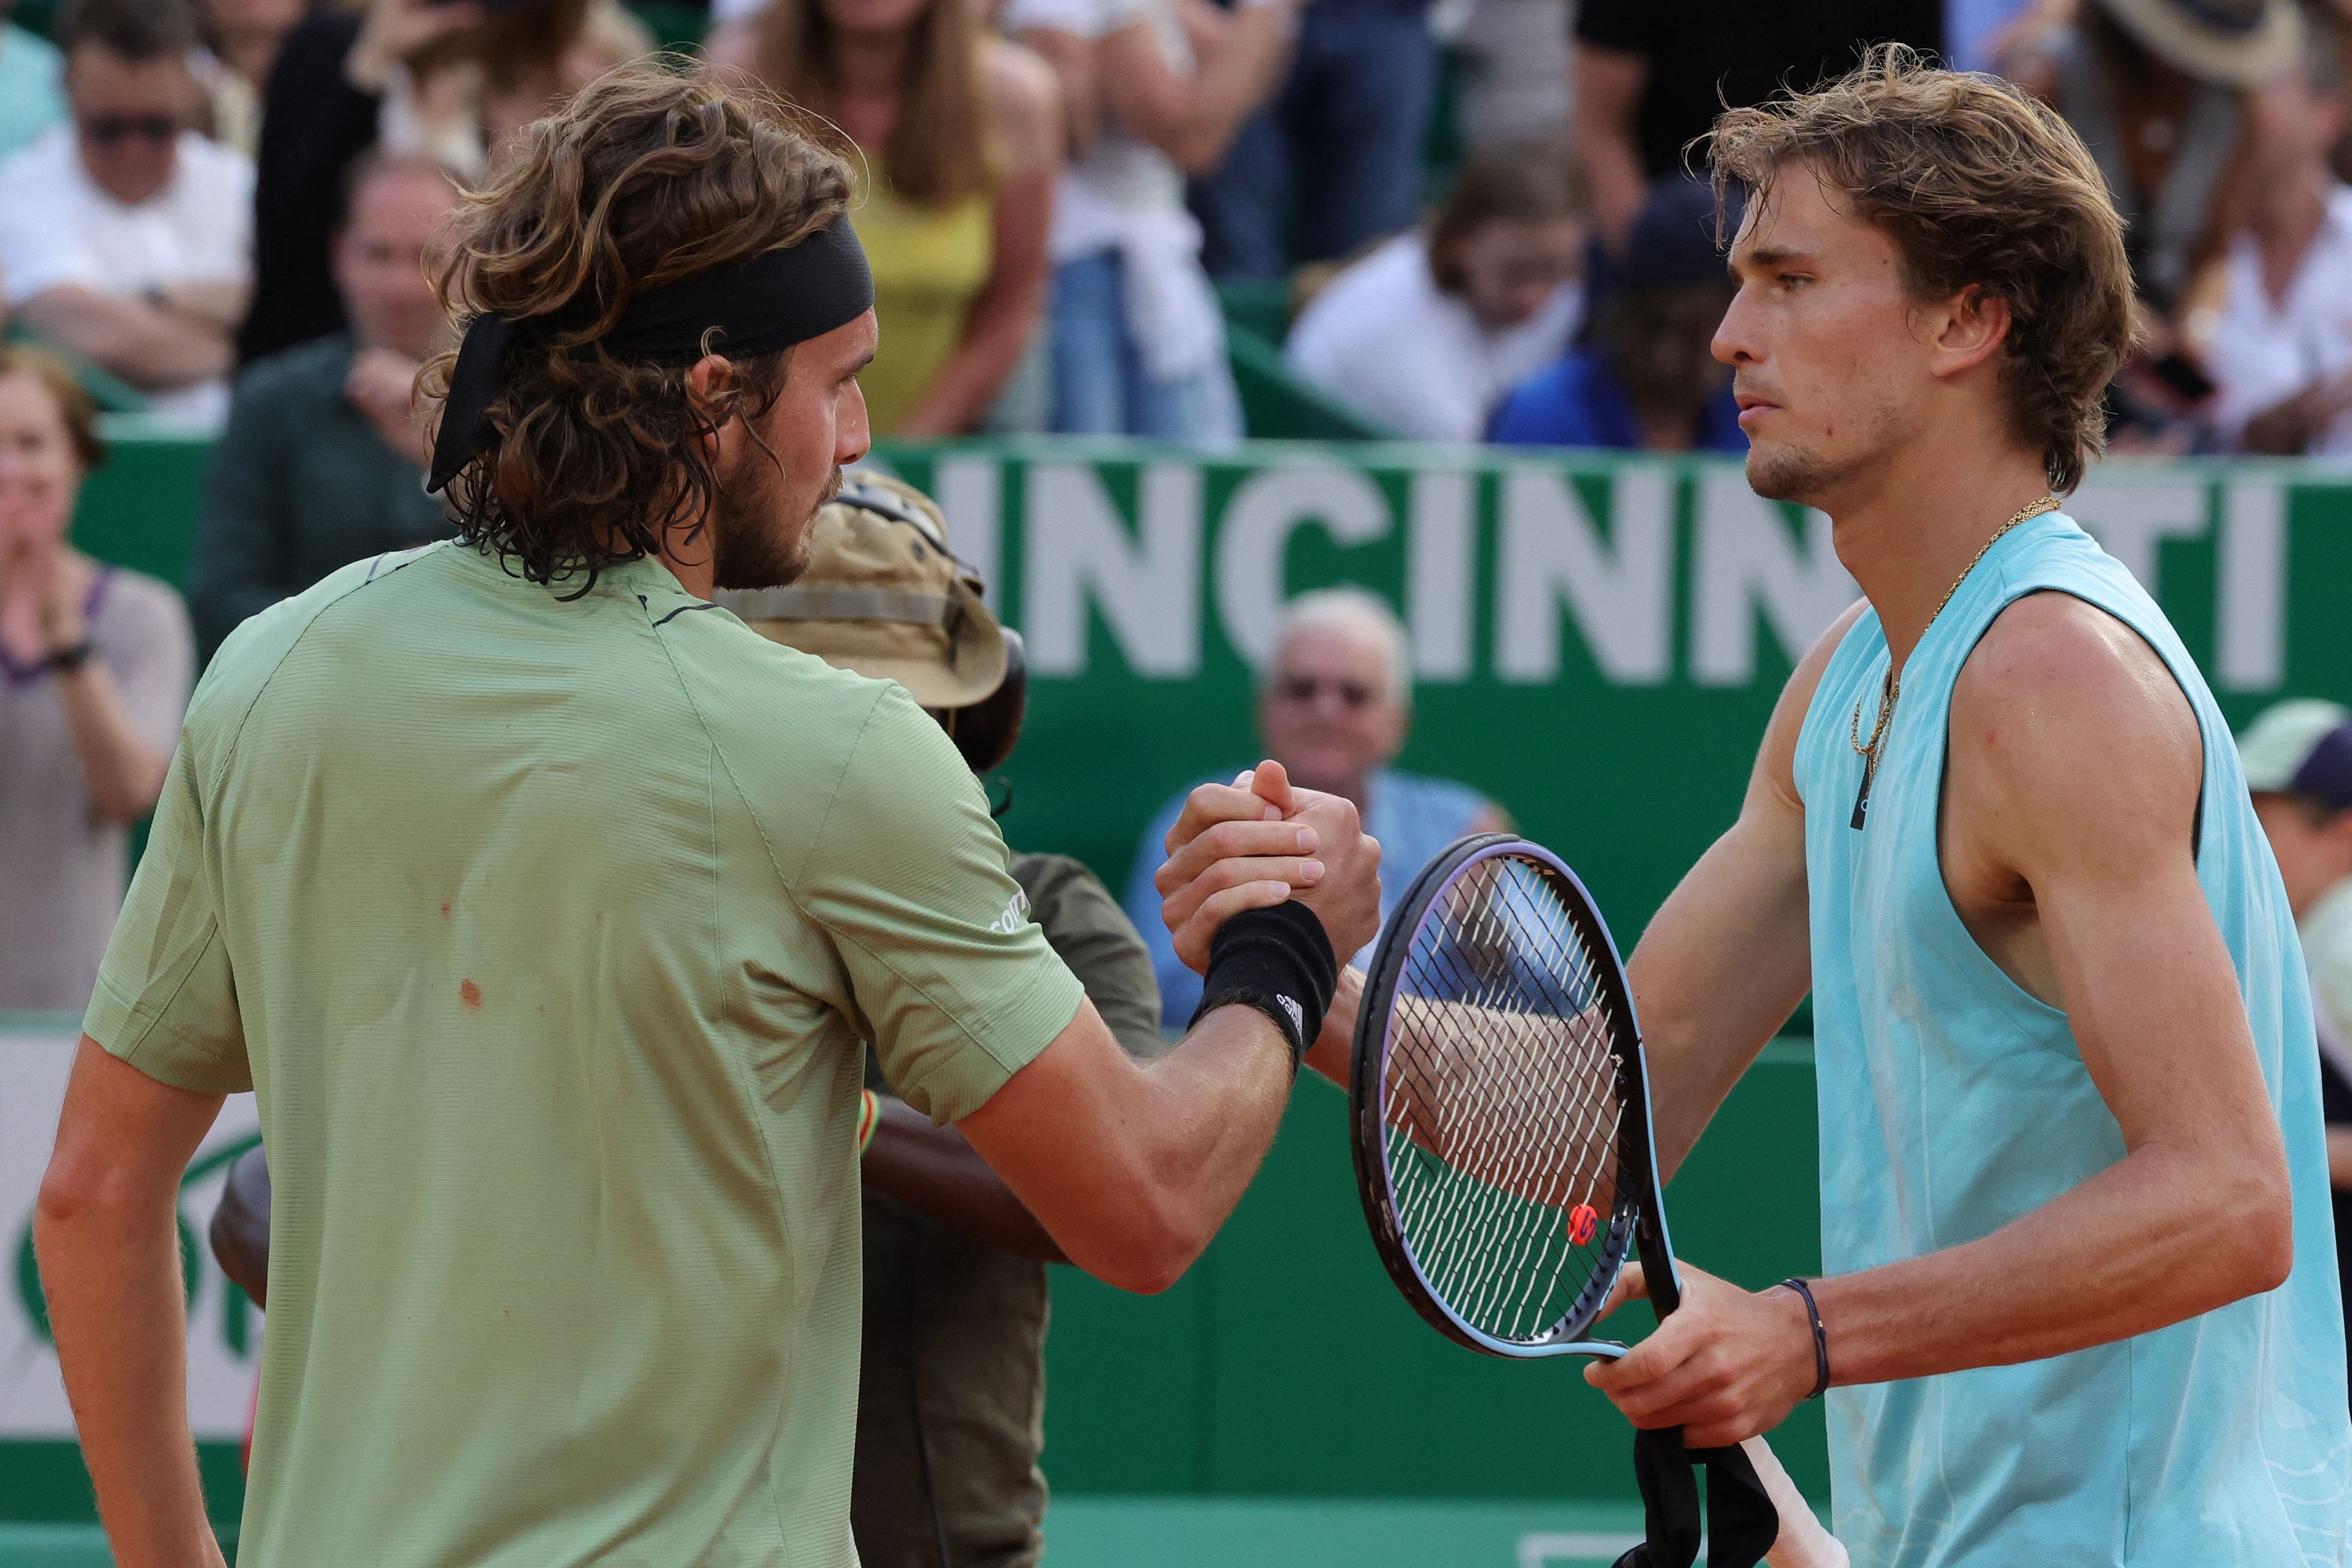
{"x": 647, "y": 176}
{"x": 1976, "y": 182}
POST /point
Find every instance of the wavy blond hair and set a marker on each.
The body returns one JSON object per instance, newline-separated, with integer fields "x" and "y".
{"x": 645, "y": 176}
{"x": 1976, "y": 182}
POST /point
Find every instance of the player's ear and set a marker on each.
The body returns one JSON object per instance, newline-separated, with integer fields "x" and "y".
{"x": 710, "y": 383}
{"x": 1970, "y": 328}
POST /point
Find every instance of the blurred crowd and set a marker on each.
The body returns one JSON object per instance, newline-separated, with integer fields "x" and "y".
{"x": 1468, "y": 219}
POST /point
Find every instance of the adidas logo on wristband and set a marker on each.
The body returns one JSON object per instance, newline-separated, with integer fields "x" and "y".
{"x": 1297, "y": 1013}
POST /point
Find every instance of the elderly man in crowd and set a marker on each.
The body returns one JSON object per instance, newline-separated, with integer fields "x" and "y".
{"x": 1333, "y": 707}
{"x": 125, "y": 236}
{"x": 322, "y": 463}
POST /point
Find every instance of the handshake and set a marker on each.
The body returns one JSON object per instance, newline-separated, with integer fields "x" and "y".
{"x": 1258, "y": 841}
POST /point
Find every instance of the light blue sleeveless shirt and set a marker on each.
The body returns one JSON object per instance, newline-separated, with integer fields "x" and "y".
{"x": 1952, "y": 1102}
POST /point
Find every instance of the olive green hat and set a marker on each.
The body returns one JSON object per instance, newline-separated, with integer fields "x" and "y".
{"x": 885, "y": 597}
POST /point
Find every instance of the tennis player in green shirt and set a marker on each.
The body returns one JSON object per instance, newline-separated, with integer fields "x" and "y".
{"x": 546, "y": 907}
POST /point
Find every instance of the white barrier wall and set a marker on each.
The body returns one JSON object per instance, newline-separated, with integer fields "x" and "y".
{"x": 224, "y": 1327}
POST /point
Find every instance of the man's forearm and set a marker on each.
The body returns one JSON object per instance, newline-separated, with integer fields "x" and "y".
{"x": 154, "y": 350}
{"x": 124, "y": 774}
{"x": 110, "y": 1268}
{"x": 2157, "y": 1238}
{"x": 935, "y": 1169}
{"x": 1215, "y": 1101}
{"x": 1132, "y": 1166}
{"x": 218, "y": 305}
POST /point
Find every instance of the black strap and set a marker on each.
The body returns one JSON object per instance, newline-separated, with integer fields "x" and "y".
{"x": 1820, "y": 1337}
{"x": 1741, "y": 1522}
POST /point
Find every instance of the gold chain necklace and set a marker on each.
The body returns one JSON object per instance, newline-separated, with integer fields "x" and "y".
{"x": 1890, "y": 690}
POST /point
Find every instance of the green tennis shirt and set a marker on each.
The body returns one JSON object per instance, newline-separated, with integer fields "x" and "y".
{"x": 547, "y": 935}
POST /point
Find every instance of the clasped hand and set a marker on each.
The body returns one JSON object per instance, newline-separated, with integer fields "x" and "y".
{"x": 1256, "y": 842}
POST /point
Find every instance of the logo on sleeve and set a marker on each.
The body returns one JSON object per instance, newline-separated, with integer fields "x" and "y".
{"x": 1015, "y": 915}
{"x": 1297, "y": 1013}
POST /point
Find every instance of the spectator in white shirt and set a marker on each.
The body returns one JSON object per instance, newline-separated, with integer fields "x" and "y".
{"x": 125, "y": 236}
{"x": 1425, "y": 335}
{"x": 2281, "y": 354}
{"x": 1138, "y": 342}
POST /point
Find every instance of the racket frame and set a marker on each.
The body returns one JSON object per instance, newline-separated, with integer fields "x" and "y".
{"x": 1646, "y": 1236}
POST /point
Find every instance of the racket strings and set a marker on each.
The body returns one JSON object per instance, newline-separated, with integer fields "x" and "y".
{"x": 1497, "y": 1251}
{"x": 1577, "y": 1076}
{"x": 1501, "y": 1103}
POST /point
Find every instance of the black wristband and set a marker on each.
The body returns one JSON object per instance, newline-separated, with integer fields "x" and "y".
{"x": 66, "y": 660}
{"x": 1278, "y": 960}
{"x": 1821, "y": 1337}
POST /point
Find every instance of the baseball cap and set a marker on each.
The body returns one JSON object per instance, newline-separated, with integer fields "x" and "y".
{"x": 2300, "y": 747}
{"x": 884, "y": 597}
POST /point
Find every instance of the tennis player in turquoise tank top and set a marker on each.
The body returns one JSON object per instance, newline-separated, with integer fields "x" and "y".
{"x": 2081, "y": 1301}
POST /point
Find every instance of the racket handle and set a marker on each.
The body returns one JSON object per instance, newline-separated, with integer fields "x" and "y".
{"x": 1802, "y": 1542}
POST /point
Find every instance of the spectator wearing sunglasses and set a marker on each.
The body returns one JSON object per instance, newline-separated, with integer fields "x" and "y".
{"x": 1334, "y": 706}
{"x": 125, "y": 237}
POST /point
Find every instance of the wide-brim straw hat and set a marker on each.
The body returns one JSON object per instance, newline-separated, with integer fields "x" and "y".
{"x": 885, "y": 597}
{"x": 2231, "y": 43}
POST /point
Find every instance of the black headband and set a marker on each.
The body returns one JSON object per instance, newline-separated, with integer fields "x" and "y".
{"x": 775, "y": 299}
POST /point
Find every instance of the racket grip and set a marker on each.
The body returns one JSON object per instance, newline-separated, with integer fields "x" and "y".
{"x": 1802, "y": 1542}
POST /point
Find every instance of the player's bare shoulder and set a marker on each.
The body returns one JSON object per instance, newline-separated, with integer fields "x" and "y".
{"x": 2065, "y": 721}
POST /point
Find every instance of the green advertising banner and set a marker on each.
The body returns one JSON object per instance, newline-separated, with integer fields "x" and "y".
{"x": 1597, "y": 641}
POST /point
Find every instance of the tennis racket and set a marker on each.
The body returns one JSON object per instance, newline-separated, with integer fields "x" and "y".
{"x": 1500, "y": 1110}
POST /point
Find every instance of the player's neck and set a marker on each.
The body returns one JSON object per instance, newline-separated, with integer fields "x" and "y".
{"x": 1909, "y": 530}
{"x": 695, "y": 572}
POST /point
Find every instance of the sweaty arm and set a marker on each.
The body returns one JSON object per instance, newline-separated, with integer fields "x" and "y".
{"x": 106, "y": 1227}
{"x": 2089, "y": 898}
{"x": 1729, "y": 956}
{"x": 153, "y": 349}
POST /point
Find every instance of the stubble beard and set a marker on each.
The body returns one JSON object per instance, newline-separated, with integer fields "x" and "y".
{"x": 1789, "y": 473}
{"x": 753, "y": 543}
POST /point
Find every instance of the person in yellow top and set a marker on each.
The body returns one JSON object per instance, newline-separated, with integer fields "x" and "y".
{"x": 961, "y": 137}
